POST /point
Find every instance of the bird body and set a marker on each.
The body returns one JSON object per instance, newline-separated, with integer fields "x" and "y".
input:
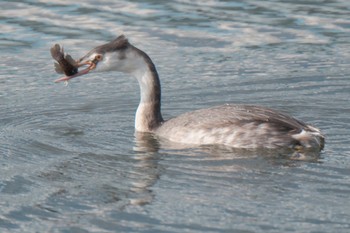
{"x": 240, "y": 126}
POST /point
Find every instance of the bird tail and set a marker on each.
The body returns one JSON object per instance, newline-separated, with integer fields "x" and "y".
{"x": 310, "y": 138}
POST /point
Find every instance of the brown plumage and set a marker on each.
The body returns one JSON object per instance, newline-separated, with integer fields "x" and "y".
{"x": 66, "y": 63}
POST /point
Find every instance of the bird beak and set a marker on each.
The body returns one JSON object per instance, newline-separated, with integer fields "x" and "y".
{"x": 91, "y": 65}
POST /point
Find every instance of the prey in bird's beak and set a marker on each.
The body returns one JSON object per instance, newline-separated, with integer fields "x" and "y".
{"x": 90, "y": 66}
{"x": 67, "y": 65}
{"x": 104, "y": 56}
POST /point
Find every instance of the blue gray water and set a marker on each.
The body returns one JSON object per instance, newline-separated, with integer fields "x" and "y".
{"x": 70, "y": 161}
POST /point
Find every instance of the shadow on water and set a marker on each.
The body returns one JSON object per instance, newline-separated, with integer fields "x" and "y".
{"x": 217, "y": 165}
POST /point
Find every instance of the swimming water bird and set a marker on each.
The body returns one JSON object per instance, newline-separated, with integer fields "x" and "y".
{"x": 237, "y": 126}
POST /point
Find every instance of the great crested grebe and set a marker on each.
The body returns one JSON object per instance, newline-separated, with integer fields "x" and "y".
{"x": 237, "y": 126}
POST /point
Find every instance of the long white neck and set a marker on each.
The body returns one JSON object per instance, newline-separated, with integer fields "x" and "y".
{"x": 148, "y": 115}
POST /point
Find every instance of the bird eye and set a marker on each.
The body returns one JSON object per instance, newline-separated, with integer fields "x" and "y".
{"x": 98, "y": 57}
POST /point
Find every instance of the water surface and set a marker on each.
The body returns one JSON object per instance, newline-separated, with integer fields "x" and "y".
{"x": 70, "y": 161}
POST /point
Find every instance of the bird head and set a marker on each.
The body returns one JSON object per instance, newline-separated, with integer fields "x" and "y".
{"x": 117, "y": 55}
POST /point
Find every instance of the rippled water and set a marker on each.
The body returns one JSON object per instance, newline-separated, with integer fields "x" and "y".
{"x": 70, "y": 161}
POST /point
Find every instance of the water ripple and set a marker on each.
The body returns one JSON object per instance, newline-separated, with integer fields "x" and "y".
{"x": 70, "y": 159}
